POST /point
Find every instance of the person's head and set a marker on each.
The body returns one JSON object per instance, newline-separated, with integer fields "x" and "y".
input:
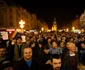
{"x": 31, "y": 38}
{"x": 71, "y": 39}
{"x": 54, "y": 44}
{"x": 13, "y": 41}
{"x": 28, "y": 42}
{"x": 46, "y": 50}
{"x": 82, "y": 45}
{"x": 40, "y": 44}
{"x": 82, "y": 38}
{"x": 72, "y": 47}
{"x": 19, "y": 40}
{"x": 63, "y": 38}
{"x": 49, "y": 40}
{"x": 32, "y": 44}
{"x": 27, "y": 53}
{"x": 56, "y": 61}
{"x": 67, "y": 45}
{"x": 52, "y": 37}
{"x": 62, "y": 43}
{"x": 2, "y": 50}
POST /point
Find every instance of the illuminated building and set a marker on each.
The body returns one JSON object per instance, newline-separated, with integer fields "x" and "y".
{"x": 54, "y": 27}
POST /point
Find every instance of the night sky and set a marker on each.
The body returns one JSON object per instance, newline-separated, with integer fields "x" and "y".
{"x": 64, "y": 11}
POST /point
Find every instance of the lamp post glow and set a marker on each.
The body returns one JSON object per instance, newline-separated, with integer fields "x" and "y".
{"x": 42, "y": 29}
{"x": 22, "y": 25}
{"x": 67, "y": 30}
{"x": 73, "y": 28}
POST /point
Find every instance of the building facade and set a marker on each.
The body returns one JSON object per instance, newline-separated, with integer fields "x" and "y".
{"x": 12, "y": 15}
{"x": 54, "y": 27}
{"x": 82, "y": 20}
{"x": 75, "y": 23}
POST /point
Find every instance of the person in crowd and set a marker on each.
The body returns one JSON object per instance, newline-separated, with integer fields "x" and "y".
{"x": 52, "y": 38}
{"x": 31, "y": 39}
{"x": 82, "y": 47}
{"x": 55, "y": 49}
{"x": 82, "y": 63}
{"x": 47, "y": 55}
{"x": 65, "y": 50}
{"x": 3, "y": 57}
{"x": 71, "y": 39}
{"x": 34, "y": 49}
{"x": 55, "y": 62}
{"x": 62, "y": 45}
{"x": 28, "y": 42}
{"x": 18, "y": 49}
{"x": 48, "y": 44}
{"x": 63, "y": 39}
{"x": 10, "y": 49}
{"x": 27, "y": 62}
{"x": 70, "y": 58}
{"x": 40, "y": 52}
{"x": 1, "y": 41}
{"x": 2, "y": 52}
{"x": 45, "y": 37}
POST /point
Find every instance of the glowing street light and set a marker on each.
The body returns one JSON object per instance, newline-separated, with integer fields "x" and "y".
{"x": 22, "y": 24}
{"x": 73, "y": 28}
{"x": 42, "y": 29}
{"x": 67, "y": 30}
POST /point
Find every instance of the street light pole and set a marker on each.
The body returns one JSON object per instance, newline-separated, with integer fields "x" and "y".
{"x": 22, "y": 25}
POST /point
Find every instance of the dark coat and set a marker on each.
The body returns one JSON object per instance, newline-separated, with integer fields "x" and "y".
{"x": 67, "y": 63}
{"x": 22, "y": 65}
{"x": 5, "y": 63}
{"x": 16, "y": 52}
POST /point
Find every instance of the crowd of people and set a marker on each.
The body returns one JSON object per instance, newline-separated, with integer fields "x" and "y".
{"x": 44, "y": 51}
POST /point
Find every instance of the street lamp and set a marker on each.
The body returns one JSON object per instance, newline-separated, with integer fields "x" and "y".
{"x": 73, "y": 28}
{"x": 42, "y": 29}
{"x": 22, "y": 25}
{"x": 67, "y": 30}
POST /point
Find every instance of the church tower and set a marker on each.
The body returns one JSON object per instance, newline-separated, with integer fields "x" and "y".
{"x": 54, "y": 27}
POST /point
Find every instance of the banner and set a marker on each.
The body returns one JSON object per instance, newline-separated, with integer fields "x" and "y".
{"x": 4, "y": 35}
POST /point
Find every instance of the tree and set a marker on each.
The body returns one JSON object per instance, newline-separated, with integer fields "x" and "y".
{"x": 82, "y": 20}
